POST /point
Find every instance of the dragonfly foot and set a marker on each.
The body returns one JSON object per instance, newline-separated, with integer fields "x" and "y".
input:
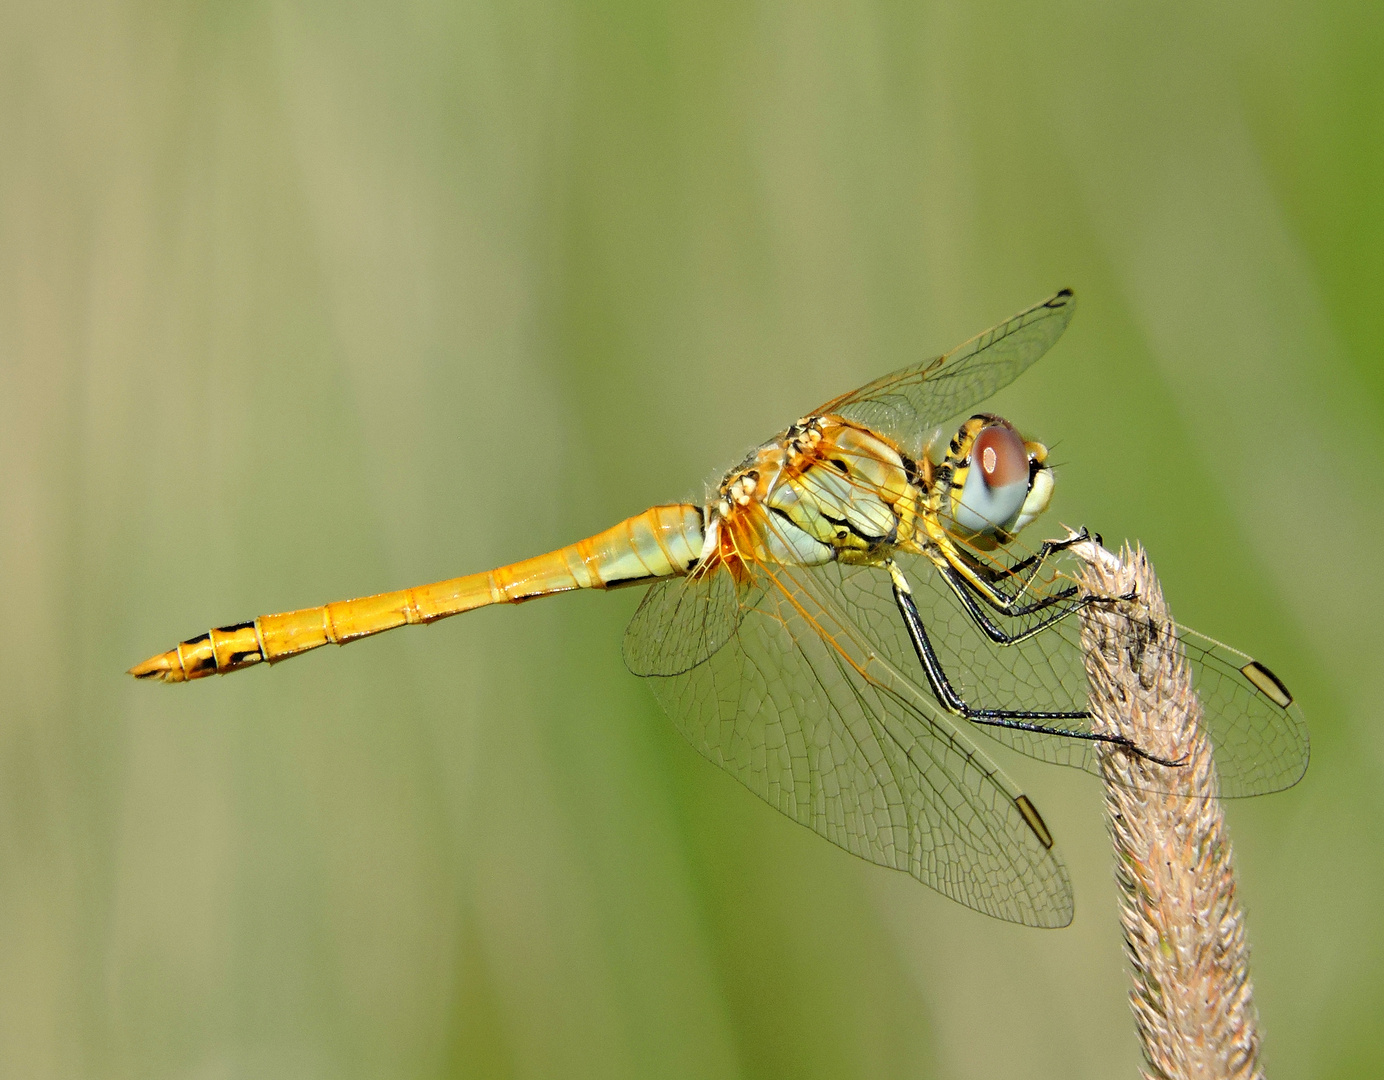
{"x": 1073, "y": 537}
{"x": 1129, "y": 745}
{"x": 1165, "y": 762}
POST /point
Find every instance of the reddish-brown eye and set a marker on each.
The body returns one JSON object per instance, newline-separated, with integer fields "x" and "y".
{"x": 1001, "y": 456}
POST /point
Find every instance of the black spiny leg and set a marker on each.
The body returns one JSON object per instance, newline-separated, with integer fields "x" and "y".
{"x": 967, "y": 595}
{"x": 1004, "y": 602}
{"x": 1015, "y": 719}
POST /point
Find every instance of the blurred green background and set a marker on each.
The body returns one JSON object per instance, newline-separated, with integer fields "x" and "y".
{"x": 300, "y": 301}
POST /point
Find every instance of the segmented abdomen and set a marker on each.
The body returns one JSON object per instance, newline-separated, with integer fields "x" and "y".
{"x": 663, "y": 541}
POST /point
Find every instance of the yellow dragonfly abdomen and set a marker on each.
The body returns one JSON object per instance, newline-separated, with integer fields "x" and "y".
{"x": 662, "y": 542}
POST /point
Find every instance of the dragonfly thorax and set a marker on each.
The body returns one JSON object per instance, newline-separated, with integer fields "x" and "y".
{"x": 824, "y": 490}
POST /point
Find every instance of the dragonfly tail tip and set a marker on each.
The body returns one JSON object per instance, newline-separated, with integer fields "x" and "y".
{"x": 162, "y": 668}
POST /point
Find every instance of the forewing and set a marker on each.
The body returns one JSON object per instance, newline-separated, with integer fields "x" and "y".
{"x": 795, "y": 706}
{"x": 1260, "y": 744}
{"x": 683, "y": 621}
{"x": 910, "y": 402}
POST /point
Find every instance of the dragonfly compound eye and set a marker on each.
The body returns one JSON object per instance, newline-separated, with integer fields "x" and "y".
{"x": 1001, "y": 456}
{"x": 997, "y": 481}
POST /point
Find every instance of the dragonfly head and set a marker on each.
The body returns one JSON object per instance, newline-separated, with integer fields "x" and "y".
{"x": 999, "y": 481}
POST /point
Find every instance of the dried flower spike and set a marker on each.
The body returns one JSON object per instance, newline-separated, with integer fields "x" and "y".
{"x": 1183, "y": 926}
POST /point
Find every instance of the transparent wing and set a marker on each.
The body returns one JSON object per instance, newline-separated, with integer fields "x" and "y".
{"x": 683, "y": 621}
{"x": 1260, "y": 740}
{"x": 798, "y": 708}
{"x": 1043, "y": 673}
{"x": 911, "y": 402}
{"x": 1253, "y": 723}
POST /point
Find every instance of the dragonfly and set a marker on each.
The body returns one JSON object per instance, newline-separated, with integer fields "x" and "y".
{"x": 847, "y": 607}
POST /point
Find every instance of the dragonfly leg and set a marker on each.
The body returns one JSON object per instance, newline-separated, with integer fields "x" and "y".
{"x": 976, "y": 582}
{"x": 1036, "y": 560}
{"x": 967, "y": 595}
{"x": 1037, "y": 721}
{"x": 992, "y": 576}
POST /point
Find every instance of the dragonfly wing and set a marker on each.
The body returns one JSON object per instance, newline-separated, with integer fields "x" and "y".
{"x": 910, "y": 402}
{"x": 683, "y": 621}
{"x": 1260, "y": 742}
{"x": 1256, "y": 727}
{"x": 1042, "y": 674}
{"x": 797, "y": 707}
